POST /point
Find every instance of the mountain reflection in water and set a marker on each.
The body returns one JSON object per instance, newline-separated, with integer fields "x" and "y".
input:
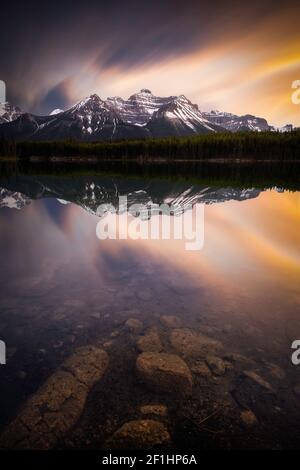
{"x": 63, "y": 288}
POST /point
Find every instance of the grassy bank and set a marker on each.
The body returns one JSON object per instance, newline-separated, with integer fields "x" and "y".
{"x": 243, "y": 145}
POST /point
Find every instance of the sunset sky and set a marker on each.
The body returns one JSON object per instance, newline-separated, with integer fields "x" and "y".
{"x": 240, "y": 57}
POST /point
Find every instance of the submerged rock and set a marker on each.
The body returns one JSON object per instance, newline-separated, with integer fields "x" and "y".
{"x": 164, "y": 372}
{"x": 87, "y": 364}
{"x": 255, "y": 393}
{"x": 208, "y": 330}
{"x": 201, "y": 369}
{"x": 149, "y": 342}
{"x": 58, "y": 403}
{"x": 134, "y": 325}
{"x": 216, "y": 365}
{"x": 115, "y": 334}
{"x": 248, "y": 418}
{"x": 275, "y": 371}
{"x": 238, "y": 358}
{"x": 140, "y": 434}
{"x": 158, "y": 410}
{"x": 250, "y": 374}
{"x": 192, "y": 344}
{"x": 171, "y": 321}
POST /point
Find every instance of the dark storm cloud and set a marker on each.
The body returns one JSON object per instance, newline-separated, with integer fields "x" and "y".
{"x": 43, "y": 43}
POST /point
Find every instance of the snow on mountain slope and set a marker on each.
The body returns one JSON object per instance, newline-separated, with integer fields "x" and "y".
{"x": 139, "y": 107}
{"x": 56, "y": 111}
{"x": 234, "y": 123}
{"x": 180, "y": 117}
{"x": 8, "y": 112}
{"x": 92, "y": 113}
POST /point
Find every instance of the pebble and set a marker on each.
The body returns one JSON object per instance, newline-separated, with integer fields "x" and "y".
{"x": 248, "y": 418}
{"x": 140, "y": 434}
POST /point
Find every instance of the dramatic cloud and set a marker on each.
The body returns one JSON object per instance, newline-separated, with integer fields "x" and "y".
{"x": 231, "y": 55}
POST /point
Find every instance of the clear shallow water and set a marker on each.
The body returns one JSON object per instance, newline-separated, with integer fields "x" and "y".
{"x": 63, "y": 288}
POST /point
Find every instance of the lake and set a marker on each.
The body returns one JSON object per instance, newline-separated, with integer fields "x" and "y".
{"x": 141, "y": 342}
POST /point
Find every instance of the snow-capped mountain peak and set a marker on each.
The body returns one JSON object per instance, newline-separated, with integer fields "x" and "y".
{"x": 143, "y": 94}
{"x": 90, "y": 115}
{"x": 90, "y": 102}
{"x": 235, "y": 123}
{"x": 139, "y": 107}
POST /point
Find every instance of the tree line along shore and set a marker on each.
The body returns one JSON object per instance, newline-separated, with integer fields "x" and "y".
{"x": 242, "y": 145}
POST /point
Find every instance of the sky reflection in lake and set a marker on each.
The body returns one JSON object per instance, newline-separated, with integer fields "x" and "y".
{"x": 255, "y": 241}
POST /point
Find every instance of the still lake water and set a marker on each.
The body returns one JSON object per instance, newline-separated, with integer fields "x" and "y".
{"x": 236, "y": 304}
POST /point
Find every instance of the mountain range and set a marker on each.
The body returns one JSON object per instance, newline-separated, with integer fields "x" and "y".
{"x": 142, "y": 115}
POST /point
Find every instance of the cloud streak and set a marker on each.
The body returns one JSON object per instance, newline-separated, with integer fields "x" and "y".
{"x": 237, "y": 57}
